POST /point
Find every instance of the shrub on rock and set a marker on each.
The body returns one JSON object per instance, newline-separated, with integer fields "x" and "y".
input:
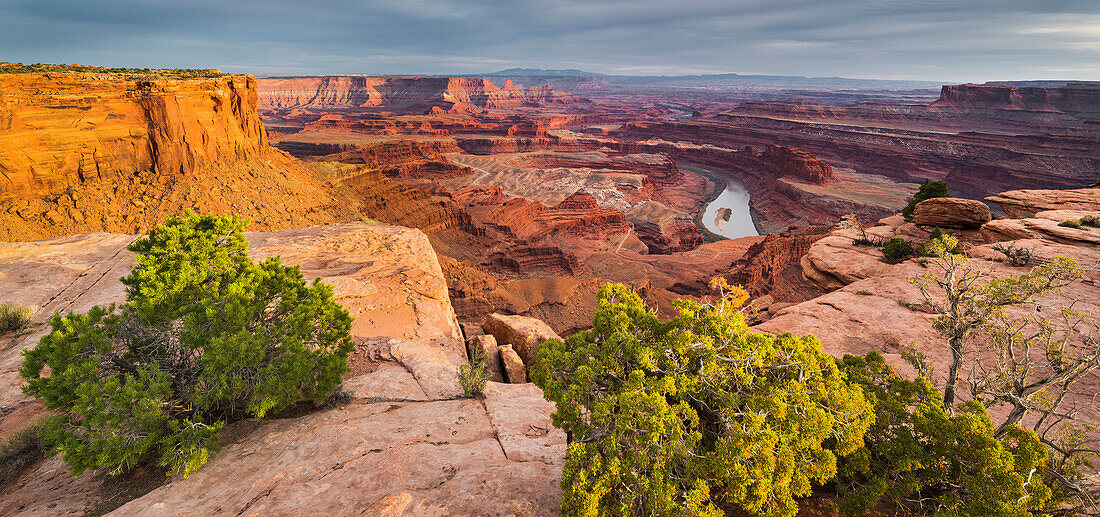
{"x": 205, "y": 337}
{"x": 14, "y": 317}
{"x": 694, "y": 414}
{"x": 897, "y": 249}
{"x": 932, "y": 189}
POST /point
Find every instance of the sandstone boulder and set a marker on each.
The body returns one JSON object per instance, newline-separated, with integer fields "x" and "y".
{"x": 523, "y": 333}
{"x": 514, "y": 370}
{"x": 1025, "y": 203}
{"x": 951, "y": 212}
{"x": 487, "y": 345}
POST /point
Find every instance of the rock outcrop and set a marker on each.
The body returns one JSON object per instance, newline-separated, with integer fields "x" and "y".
{"x": 801, "y": 164}
{"x": 951, "y": 212}
{"x": 86, "y": 152}
{"x": 515, "y": 372}
{"x": 1025, "y": 203}
{"x": 523, "y": 333}
{"x": 874, "y": 306}
{"x": 1083, "y": 98}
{"x": 69, "y": 129}
{"x": 405, "y": 94}
{"x": 403, "y": 445}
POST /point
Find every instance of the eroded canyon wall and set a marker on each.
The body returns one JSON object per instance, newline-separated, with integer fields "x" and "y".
{"x": 66, "y": 129}
{"x": 110, "y": 152}
{"x": 400, "y": 93}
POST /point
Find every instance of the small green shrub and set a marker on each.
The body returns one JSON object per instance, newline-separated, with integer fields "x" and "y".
{"x": 19, "y": 452}
{"x": 205, "y": 337}
{"x": 14, "y": 318}
{"x": 1070, "y": 223}
{"x": 473, "y": 375}
{"x": 1091, "y": 221}
{"x": 929, "y": 190}
{"x": 897, "y": 249}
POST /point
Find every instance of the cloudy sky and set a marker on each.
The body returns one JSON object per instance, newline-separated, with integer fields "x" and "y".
{"x": 956, "y": 40}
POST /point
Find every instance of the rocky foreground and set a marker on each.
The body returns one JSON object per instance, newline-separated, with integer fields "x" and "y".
{"x": 407, "y": 443}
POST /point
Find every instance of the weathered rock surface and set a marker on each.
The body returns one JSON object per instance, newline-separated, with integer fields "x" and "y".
{"x": 86, "y": 152}
{"x": 515, "y": 372}
{"x": 951, "y": 212}
{"x": 521, "y": 416}
{"x": 1025, "y": 203}
{"x": 400, "y": 447}
{"x": 523, "y": 333}
{"x": 65, "y": 129}
{"x": 428, "y": 458}
{"x": 875, "y": 307}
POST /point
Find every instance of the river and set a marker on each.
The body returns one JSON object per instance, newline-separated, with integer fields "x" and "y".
{"x": 728, "y": 215}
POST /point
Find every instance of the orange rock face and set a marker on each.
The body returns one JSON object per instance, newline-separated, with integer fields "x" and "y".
{"x": 84, "y": 152}
{"x": 65, "y": 130}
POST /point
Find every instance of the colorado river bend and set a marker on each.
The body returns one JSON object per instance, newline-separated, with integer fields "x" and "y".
{"x": 728, "y": 215}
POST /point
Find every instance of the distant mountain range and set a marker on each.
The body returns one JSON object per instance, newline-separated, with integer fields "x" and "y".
{"x": 725, "y": 80}
{"x": 544, "y": 72}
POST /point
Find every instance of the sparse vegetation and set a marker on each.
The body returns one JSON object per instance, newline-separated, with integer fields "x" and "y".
{"x": 863, "y": 239}
{"x": 1087, "y": 221}
{"x": 897, "y": 250}
{"x": 165, "y": 73}
{"x": 19, "y": 452}
{"x": 1014, "y": 255}
{"x": 205, "y": 337}
{"x": 13, "y": 317}
{"x": 1039, "y": 362}
{"x": 473, "y": 375}
{"x": 870, "y": 240}
{"x": 929, "y": 190}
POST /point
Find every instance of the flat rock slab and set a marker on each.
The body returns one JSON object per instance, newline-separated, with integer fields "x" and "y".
{"x": 521, "y": 417}
{"x": 420, "y": 458}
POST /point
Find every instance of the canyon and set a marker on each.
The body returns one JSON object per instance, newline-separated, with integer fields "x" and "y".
{"x": 437, "y": 205}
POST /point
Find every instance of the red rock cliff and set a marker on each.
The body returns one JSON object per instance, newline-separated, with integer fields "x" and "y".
{"x": 1072, "y": 98}
{"x": 790, "y": 160}
{"x": 418, "y": 94}
{"x": 66, "y": 129}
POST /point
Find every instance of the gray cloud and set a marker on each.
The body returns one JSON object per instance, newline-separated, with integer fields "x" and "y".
{"x": 914, "y": 39}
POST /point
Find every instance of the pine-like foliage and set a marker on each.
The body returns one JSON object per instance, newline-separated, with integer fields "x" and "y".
{"x": 693, "y": 414}
{"x": 928, "y": 461}
{"x": 205, "y": 337}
